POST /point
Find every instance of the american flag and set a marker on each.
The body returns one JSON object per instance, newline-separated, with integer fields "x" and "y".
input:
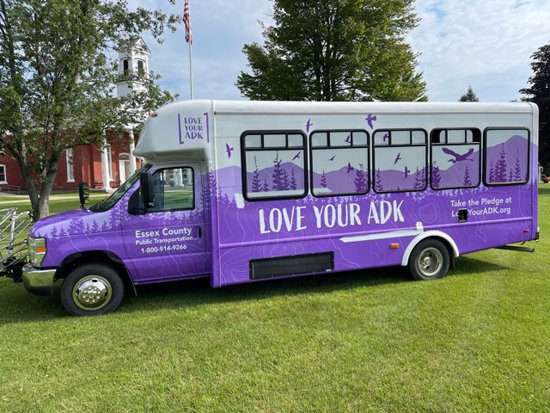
{"x": 187, "y": 23}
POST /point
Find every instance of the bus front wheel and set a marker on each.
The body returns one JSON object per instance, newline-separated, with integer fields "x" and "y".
{"x": 429, "y": 260}
{"x": 92, "y": 289}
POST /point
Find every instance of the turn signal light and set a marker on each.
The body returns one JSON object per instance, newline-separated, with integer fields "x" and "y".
{"x": 40, "y": 250}
{"x": 394, "y": 245}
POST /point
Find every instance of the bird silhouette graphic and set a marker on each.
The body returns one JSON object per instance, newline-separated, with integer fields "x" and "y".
{"x": 309, "y": 125}
{"x": 370, "y": 120}
{"x": 229, "y": 150}
{"x": 397, "y": 158}
{"x": 350, "y": 168}
{"x": 457, "y": 156}
{"x": 348, "y": 139}
{"x": 407, "y": 171}
{"x": 297, "y": 156}
{"x": 332, "y": 159}
{"x": 386, "y": 138}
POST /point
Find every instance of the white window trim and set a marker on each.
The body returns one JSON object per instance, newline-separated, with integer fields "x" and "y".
{"x": 5, "y": 181}
{"x": 68, "y": 166}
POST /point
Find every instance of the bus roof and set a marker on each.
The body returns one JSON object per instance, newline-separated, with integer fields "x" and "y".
{"x": 310, "y": 108}
{"x": 165, "y": 132}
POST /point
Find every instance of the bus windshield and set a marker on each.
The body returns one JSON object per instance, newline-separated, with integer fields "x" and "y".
{"x": 110, "y": 201}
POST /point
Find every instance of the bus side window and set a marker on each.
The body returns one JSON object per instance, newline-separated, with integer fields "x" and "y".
{"x": 339, "y": 163}
{"x": 173, "y": 189}
{"x": 506, "y": 156}
{"x": 455, "y": 159}
{"x": 274, "y": 165}
{"x": 400, "y": 160}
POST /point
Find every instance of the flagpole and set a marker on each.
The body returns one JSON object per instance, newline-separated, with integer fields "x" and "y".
{"x": 190, "y": 71}
{"x": 189, "y": 40}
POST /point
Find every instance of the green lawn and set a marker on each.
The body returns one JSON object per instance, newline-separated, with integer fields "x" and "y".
{"x": 479, "y": 340}
{"x": 59, "y": 202}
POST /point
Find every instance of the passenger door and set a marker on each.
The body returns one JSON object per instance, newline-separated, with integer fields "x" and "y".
{"x": 168, "y": 240}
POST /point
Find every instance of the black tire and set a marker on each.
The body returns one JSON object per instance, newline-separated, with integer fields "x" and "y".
{"x": 430, "y": 260}
{"x": 92, "y": 289}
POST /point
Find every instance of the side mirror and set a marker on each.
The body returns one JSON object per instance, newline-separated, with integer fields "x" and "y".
{"x": 147, "y": 194}
{"x": 83, "y": 193}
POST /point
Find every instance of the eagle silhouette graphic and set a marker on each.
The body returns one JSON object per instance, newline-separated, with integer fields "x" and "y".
{"x": 457, "y": 156}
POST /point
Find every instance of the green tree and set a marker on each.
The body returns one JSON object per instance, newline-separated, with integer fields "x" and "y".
{"x": 538, "y": 91}
{"x": 57, "y": 77}
{"x": 335, "y": 50}
{"x": 469, "y": 96}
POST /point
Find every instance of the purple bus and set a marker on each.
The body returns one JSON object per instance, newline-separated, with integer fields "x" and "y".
{"x": 241, "y": 192}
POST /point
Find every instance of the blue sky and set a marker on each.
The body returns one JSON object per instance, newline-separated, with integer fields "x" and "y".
{"x": 483, "y": 43}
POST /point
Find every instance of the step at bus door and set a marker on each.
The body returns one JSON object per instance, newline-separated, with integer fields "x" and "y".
{"x": 169, "y": 240}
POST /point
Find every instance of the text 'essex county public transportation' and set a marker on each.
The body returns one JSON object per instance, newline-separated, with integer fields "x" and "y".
{"x": 241, "y": 192}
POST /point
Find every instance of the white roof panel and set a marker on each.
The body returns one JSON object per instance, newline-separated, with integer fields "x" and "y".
{"x": 186, "y": 127}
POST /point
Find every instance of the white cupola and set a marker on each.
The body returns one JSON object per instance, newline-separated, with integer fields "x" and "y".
{"x": 133, "y": 66}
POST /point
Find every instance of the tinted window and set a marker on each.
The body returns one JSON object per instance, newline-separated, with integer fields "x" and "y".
{"x": 173, "y": 189}
{"x": 506, "y": 156}
{"x": 455, "y": 158}
{"x": 340, "y": 163}
{"x": 400, "y": 160}
{"x": 274, "y": 169}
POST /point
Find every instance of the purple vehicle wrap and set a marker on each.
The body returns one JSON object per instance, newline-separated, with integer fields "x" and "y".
{"x": 362, "y": 192}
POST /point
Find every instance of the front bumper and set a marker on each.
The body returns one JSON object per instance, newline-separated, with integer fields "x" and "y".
{"x": 37, "y": 281}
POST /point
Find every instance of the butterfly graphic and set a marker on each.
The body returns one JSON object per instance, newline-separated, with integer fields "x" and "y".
{"x": 349, "y": 168}
{"x": 407, "y": 172}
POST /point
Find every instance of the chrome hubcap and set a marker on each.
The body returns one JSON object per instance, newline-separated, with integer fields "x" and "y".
{"x": 92, "y": 292}
{"x": 430, "y": 262}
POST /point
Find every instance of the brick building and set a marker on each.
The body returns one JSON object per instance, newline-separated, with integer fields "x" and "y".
{"x": 103, "y": 166}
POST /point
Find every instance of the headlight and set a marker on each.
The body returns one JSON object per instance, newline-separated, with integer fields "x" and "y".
{"x": 37, "y": 250}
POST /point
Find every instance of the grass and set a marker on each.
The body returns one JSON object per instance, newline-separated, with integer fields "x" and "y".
{"x": 59, "y": 202}
{"x": 478, "y": 340}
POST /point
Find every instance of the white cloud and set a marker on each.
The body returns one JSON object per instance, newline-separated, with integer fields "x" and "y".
{"x": 220, "y": 29}
{"x": 484, "y": 43}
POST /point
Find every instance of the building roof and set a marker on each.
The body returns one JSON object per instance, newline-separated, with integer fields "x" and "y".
{"x": 133, "y": 43}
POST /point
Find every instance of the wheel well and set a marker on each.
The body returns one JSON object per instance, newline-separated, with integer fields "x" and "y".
{"x": 103, "y": 257}
{"x": 447, "y": 245}
{"x": 442, "y": 237}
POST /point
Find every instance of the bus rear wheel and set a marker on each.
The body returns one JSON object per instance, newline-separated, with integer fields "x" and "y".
{"x": 92, "y": 289}
{"x": 430, "y": 260}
